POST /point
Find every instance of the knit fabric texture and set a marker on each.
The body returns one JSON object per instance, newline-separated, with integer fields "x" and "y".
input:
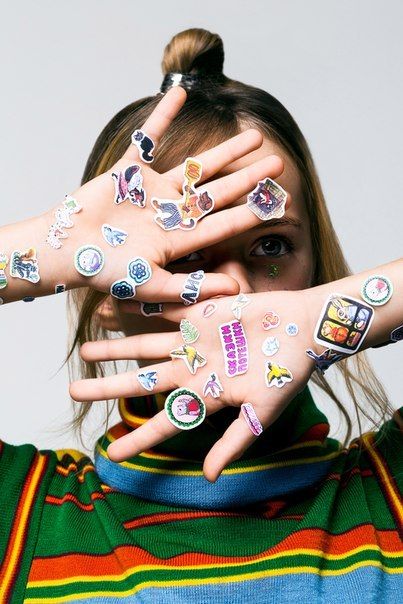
{"x": 298, "y": 518}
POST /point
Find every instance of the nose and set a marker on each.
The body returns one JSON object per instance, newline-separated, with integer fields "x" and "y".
{"x": 237, "y": 271}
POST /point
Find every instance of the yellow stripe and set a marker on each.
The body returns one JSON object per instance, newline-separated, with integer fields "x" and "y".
{"x": 75, "y": 454}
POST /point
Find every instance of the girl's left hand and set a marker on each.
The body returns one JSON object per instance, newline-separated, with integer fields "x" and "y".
{"x": 270, "y": 382}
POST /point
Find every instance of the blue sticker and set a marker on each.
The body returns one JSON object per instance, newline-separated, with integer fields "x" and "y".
{"x": 139, "y": 270}
{"x": 113, "y": 236}
{"x": 28, "y": 299}
{"x": 24, "y": 265}
{"x": 148, "y": 379}
{"x": 325, "y": 360}
{"x": 123, "y": 289}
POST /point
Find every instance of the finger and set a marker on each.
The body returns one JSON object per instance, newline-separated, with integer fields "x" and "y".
{"x": 143, "y": 346}
{"x": 160, "y": 119}
{"x": 220, "y": 156}
{"x": 124, "y": 384}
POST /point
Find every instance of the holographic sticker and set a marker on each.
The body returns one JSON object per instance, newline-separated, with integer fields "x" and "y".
{"x": 234, "y": 347}
{"x": 270, "y": 346}
{"x": 138, "y": 272}
{"x": 251, "y": 418}
{"x": 129, "y": 185}
{"x": 208, "y": 310}
{"x": 3, "y": 264}
{"x": 213, "y": 386}
{"x": 276, "y": 375}
{"x": 397, "y": 334}
{"x": 148, "y": 379}
{"x": 89, "y": 260}
{"x": 377, "y": 290}
{"x": 144, "y": 144}
{"x": 24, "y": 265}
{"x": 273, "y": 271}
{"x": 267, "y": 200}
{"x": 123, "y": 289}
{"x": 271, "y": 320}
{"x": 192, "y": 286}
{"x": 193, "y": 359}
{"x": 60, "y": 288}
{"x": 63, "y": 221}
{"x": 185, "y": 409}
{"x": 291, "y": 329}
{"x": 189, "y": 332}
{"x": 324, "y": 360}
{"x": 149, "y": 309}
{"x": 186, "y": 212}
{"x": 238, "y": 304}
{"x": 343, "y": 323}
{"x": 113, "y": 236}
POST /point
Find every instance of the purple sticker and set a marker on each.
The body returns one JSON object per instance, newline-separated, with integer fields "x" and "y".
{"x": 235, "y": 348}
{"x": 129, "y": 185}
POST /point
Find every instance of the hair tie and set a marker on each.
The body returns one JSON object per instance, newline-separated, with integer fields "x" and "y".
{"x": 190, "y": 81}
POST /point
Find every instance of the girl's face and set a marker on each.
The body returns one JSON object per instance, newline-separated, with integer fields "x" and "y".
{"x": 274, "y": 255}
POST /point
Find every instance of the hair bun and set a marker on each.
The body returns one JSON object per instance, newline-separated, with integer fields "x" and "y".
{"x": 194, "y": 51}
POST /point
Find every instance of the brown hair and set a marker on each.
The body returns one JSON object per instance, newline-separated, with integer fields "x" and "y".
{"x": 220, "y": 107}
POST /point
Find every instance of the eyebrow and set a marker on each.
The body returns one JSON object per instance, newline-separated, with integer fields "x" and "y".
{"x": 275, "y": 222}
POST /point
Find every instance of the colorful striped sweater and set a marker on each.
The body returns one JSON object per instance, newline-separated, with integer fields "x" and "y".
{"x": 297, "y": 518}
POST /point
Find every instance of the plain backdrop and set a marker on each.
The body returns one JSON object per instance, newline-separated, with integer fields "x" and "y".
{"x": 68, "y": 67}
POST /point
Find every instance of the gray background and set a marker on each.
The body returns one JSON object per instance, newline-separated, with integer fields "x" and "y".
{"x": 68, "y": 67}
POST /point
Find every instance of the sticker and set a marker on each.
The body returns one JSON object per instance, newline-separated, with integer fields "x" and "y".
{"x": 123, "y": 289}
{"x": 377, "y": 290}
{"x": 189, "y": 332}
{"x": 213, "y": 386}
{"x": 234, "y": 347}
{"x": 148, "y": 379}
{"x": 186, "y": 212}
{"x": 60, "y": 288}
{"x": 324, "y": 360}
{"x": 185, "y": 409}
{"x": 144, "y": 144}
{"x": 209, "y": 309}
{"x": 251, "y": 418}
{"x": 63, "y": 221}
{"x": 28, "y": 299}
{"x": 273, "y": 271}
{"x": 238, "y": 304}
{"x": 1, "y": 301}
{"x": 24, "y": 265}
{"x": 192, "y": 286}
{"x": 89, "y": 260}
{"x": 3, "y": 264}
{"x": 113, "y": 236}
{"x": 149, "y": 309}
{"x": 397, "y": 334}
{"x": 270, "y": 346}
{"x": 270, "y": 320}
{"x": 343, "y": 323}
{"x": 276, "y": 375}
{"x": 138, "y": 272}
{"x": 267, "y": 200}
{"x": 291, "y": 329}
{"x": 129, "y": 185}
{"x": 193, "y": 359}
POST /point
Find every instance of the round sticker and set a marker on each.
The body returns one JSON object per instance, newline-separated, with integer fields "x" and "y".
{"x": 270, "y": 346}
{"x": 185, "y": 409}
{"x": 271, "y": 320}
{"x": 377, "y": 290}
{"x": 89, "y": 260}
{"x": 291, "y": 329}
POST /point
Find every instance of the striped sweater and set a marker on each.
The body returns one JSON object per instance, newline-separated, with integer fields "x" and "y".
{"x": 298, "y": 518}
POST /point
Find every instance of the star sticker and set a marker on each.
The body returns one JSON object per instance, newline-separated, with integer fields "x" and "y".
{"x": 238, "y": 304}
{"x": 189, "y": 354}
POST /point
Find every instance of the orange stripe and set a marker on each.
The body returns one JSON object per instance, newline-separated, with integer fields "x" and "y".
{"x": 53, "y": 500}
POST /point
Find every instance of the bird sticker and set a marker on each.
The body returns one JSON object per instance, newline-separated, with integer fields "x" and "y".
{"x": 148, "y": 379}
{"x": 276, "y": 375}
{"x": 190, "y": 356}
{"x": 113, "y": 236}
{"x": 213, "y": 386}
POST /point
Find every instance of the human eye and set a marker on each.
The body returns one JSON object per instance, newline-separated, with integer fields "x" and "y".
{"x": 273, "y": 246}
{"x": 193, "y": 257}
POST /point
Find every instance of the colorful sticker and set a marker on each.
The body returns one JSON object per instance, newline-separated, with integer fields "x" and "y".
{"x": 267, "y": 200}
{"x": 234, "y": 347}
{"x": 24, "y": 265}
{"x": 3, "y": 276}
{"x": 113, "y": 236}
{"x": 270, "y": 346}
{"x": 138, "y": 272}
{"x": 149, "y": 309}
{"x": 193, "y": 359}
{"x": 343, "y": 323}
{"x": 238, "y": 304}
{"x": 397, "y": 334}
{"x": 273, "y": 271}
{"x": 89, "y": 260}
{"x": 144, "y": 144}
{"x": 324, "y": 360}
{"x": 291, "y": 329}
{"x": 377, "y": 290}
{"x": 60, "y": 288}
{"x": 186, "y": 212}
{"x": 189, "y": 332}
{"x": 209, "y": 309}
{"x": 129, "y": 185}
{"x": 213, "y": 386}
{"x": 185, "y": 409}
{"x": 63, "y": 221}
{"x": 271, "y": 320}
{"x": 192, "y": 286}
{"x": 251, "y": 418}
{"x": 276, "y": 375}
{"x": 148, "y": 379}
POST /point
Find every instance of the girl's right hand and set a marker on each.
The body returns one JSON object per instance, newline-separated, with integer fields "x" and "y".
{"x": 146, "y": 239}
